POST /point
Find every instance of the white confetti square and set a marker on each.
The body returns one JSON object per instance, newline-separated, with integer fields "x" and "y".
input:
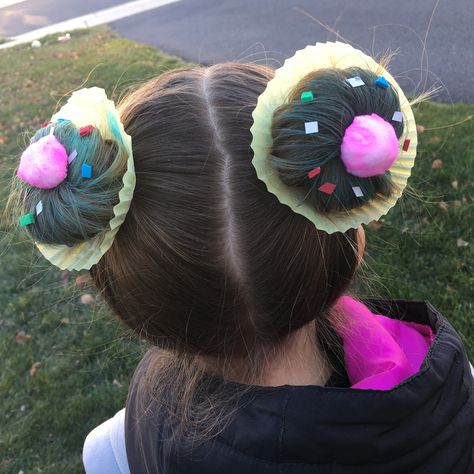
{"x": 311, "y": 127}
{"x": 39, "y": 208}
{"x": 51, "y": 131}
{"x": 72, "y": 156}
{"x": 356, "y": 81}
{"x": 397, "y": 116}
{"x": 357, "y": 191}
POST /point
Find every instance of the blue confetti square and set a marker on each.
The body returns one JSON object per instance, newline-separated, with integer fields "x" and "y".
{"x": 86, "y": 171}
{"x": 382, "y": 82}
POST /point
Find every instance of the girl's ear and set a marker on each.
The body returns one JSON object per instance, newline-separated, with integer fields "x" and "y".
{"x": 360, "y": 244}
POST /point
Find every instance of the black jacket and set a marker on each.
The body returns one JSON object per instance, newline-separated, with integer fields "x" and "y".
{"x": 423, "y": 425}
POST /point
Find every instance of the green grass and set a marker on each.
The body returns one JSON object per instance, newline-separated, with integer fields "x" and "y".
{"x": 87, "y": 359}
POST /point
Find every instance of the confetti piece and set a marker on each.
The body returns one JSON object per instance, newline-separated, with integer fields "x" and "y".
{"x": 397, "y": 116}
{"x": 437, "y": 164}
{"x": 45, "y": 124}
{"x": 327, "y": 188}
{"x": 39, "y": 208}
{"x": 72, "y": 156}
{"x": 87, "y": 130}
{"x": 60, "y": 120}
{"x": 311, "y": 127}
{"x": 406, "y": 144}
{"x": 51, "y": 132}
{"x": 356, "y": 81}
{"x": 27, "y": 219}
{"x": 86, "y": 171}
{"x": 357, "y": 191}
{"x": 307, "y": 96}
{"x": 314, "y": 172}
{"x": 382, "y": 82}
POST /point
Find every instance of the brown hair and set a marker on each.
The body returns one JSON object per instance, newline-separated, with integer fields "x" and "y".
{"x": 208, "y": 262}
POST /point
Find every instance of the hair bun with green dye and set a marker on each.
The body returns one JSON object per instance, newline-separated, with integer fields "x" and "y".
{"x": 78, "y": 208}
{"x": 333, "y": 104}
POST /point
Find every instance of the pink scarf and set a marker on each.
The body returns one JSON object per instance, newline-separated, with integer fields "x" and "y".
{"x": 381, "y": 352}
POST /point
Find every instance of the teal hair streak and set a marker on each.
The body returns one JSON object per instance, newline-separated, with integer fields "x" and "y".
{"x": 334, "y": 107}
{"x": 114, "y": 128}
{"x": 79, "y": 208}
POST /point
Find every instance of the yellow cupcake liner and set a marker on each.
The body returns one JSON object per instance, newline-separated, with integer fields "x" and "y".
{"x": 312, "y": 58}
{"x": 90, "y": 106}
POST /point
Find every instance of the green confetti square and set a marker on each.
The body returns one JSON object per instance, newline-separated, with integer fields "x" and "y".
{"x": 27, "y": 219}
{"x": 307, "y": 96}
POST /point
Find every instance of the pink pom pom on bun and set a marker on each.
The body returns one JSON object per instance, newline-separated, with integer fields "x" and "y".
{"x": 369, "y": 147}
{"x": 44, "y": 163}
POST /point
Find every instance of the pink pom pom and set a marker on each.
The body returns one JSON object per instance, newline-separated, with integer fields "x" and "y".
{"x": 369, "y": 146}
{"x": 44, "y": 163}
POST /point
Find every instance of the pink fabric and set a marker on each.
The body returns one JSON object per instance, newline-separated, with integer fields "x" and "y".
{"x": 369, "y": 146}
{"x": 44, "y": 163}
{"x": 381, "y": 352}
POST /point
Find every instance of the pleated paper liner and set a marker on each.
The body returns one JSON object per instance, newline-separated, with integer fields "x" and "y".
{"x": 90, "y": 106}
{"x": 312, "y": 58}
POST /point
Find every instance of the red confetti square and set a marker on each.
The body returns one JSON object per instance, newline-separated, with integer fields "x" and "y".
{"x": 406, "y": 144}
{"x": 313, "y": 173}
{"x": 87, "y": 130}
{"x": 327, "y": 188}
{"x": 45, "y": 124}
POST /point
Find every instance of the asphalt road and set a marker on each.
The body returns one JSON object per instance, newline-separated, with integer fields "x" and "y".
{"x": 267, "y": 31}
{"x": 434, "y": 38}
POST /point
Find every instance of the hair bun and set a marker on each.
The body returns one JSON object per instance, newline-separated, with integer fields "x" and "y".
{"x": 336, "y": 105}
{"x": 75, "y": 207}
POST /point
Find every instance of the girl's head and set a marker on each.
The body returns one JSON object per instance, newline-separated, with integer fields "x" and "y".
{"x": 208, "y": 261}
